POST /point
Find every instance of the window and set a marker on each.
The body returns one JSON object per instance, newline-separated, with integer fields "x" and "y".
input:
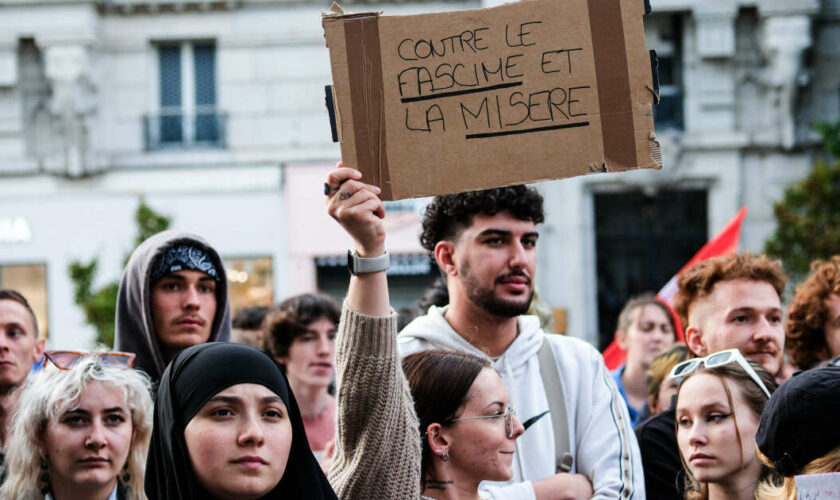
{"x": 641, "y": 242}
{"x": 663, "y": 34}
{"x": 188, "y": 116}
{"x": 250, "y": 282}
{"x": 31, "y": 281}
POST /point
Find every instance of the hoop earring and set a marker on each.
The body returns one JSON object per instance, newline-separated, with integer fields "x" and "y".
{"x": 444, "y": 455}
{"x": 45, "y": 477}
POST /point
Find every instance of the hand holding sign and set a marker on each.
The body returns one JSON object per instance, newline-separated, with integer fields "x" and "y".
{"x": 357, "y": 207}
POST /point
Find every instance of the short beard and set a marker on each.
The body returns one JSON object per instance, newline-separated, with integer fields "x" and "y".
{"x": 486, "y": 298}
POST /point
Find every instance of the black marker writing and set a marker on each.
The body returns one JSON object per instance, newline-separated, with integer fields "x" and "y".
{"x": 467, "y": 41}
{"x": 433, "y": 114}
{"x": 519, "y": 38}
{"x": 552, "y": 60}
{"x": 423, "y": 80}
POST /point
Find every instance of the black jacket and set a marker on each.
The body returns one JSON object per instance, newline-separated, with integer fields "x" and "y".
{"x": 664, "y": 476}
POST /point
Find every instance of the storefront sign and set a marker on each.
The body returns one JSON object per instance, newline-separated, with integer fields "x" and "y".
{"x": 14, "y": 230}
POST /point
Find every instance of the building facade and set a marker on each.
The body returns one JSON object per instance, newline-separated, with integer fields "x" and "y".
{"x": 212, "y": 112}
{"x": 743, "y": 84}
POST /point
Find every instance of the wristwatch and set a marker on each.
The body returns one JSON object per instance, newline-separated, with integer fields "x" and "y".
{"x": 361, "y": 265}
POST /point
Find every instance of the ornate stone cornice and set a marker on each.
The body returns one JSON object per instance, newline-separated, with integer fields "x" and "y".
{"x": 715, "y": 20}
{"x": 155, "y": 6}
{"x": 788, "y": 8}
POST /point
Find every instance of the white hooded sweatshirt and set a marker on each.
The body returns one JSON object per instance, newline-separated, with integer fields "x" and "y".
{"x": 603, "y": 443}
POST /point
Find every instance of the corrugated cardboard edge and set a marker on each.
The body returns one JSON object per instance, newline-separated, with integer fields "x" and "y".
{"x": 361, "y": 101}
{"x": 655, "y": 150}
{"x": 648, "y": 151}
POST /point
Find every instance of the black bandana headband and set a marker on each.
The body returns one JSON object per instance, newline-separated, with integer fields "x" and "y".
{"x": 183, "y": 257}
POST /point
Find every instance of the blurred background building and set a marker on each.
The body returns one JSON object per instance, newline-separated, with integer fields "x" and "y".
{"x": 212, "y": 112}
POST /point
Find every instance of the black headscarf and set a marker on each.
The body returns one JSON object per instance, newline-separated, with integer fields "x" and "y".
{"x": 196, "y": 375}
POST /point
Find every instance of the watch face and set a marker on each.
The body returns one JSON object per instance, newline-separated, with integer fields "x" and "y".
{"x": 350, "y": 263}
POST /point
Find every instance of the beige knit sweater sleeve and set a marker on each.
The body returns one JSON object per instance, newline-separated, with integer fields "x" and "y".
{"x": 377, "y": 454}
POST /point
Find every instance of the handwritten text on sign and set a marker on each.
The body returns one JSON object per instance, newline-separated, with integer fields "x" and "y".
{"x": 493, "y": 95}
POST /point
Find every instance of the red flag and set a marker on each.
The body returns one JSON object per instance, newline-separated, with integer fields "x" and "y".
{"x": 724, "y": 243}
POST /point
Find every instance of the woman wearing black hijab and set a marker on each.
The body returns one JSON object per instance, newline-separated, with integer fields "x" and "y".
{"x": 226, "y": 424}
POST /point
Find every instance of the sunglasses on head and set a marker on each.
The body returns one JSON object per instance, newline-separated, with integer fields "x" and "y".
{"x": 681, "y": 370}
{"x": 64, "y": 360}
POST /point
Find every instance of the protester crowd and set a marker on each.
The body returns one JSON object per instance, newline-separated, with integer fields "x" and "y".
{"x": 472, "y": 398}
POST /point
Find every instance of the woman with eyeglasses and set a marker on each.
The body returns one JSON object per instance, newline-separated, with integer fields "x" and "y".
{"x": 461, "y": 403}
{"x": 81, "y": 430}
{"x": 719, "y": 403}
{"x": 454, "y": 403}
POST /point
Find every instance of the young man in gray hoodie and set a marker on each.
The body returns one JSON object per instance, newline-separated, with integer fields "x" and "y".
{"x": 579, "y": 445}
{"x": 172, "y": 295}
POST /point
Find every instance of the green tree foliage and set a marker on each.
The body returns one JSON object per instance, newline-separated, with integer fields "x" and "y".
{"x": 148, "y": 223}
{"x": 808, "y": 216}
{"x": 100, "y": 305}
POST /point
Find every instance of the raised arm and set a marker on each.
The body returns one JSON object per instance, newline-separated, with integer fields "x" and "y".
{"x": 377, "y": 451}
{"x": 357, "y": 207}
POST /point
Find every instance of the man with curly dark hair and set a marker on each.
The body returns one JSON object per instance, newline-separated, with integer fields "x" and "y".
{"x": 812, "y": 330}
{"x": 448, "y": 217}
{"x": 485, "y": 244}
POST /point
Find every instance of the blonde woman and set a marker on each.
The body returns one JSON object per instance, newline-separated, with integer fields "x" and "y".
{"x": 719, "y": 403}
{"x": 798, "y": 433}
{"x": 81, "y": 430}
{"x": 660, "y": 387}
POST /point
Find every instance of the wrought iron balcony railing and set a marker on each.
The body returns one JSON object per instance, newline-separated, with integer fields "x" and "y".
{"x": 174, "y": 129}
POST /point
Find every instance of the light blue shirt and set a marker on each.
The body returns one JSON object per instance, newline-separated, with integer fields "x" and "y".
{"x": 634, "y": 413}
{"x": 112, "y": 496}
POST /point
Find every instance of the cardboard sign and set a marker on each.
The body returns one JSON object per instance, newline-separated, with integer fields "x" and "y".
{"x": 456, "y": 101}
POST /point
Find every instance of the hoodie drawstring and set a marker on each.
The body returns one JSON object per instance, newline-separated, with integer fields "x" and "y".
{"x": 512, "y": 396}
